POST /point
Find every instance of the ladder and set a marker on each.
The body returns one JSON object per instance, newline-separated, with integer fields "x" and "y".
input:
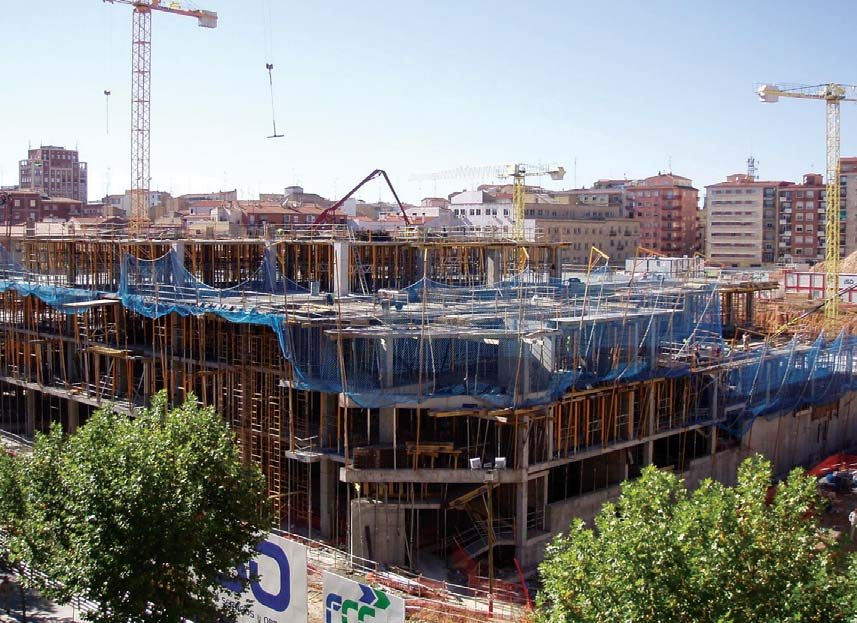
{"x": 275, "y": 453}
{"x": 360, "y": 270}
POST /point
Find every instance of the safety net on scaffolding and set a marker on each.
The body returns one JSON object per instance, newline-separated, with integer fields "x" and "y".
{"x": 519, "y": 342}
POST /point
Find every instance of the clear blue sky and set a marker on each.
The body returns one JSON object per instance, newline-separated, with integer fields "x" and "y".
{"x": 625, "y": 87}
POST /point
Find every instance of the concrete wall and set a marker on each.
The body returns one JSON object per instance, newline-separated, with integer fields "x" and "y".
{"x": 559, "y": 515}
{"x": 804, "y": 437}
{"x": 378, "y": 531}
{"x": 722, "y": 466}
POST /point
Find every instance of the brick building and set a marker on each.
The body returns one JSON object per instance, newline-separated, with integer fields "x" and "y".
{"x": 666, "y": 207}
{"x": 802, "y": 220}
{"x": 54, "y": 171}
{"x": 24, "y": 206}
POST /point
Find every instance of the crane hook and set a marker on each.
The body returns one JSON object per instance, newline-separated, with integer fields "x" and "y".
{"x": 270, "y": 67}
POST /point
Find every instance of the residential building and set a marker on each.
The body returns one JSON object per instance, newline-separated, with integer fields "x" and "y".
{"x": 666, "y": 206}
{"x": 741, "y": 226}
{"x": 848, "y": 190}
{"x": 802, "y": 220}
{"x": 23, "y": 206}
{"x": 159, "y": 203}
{"x": 54, "y": 171}
{"x": 578, "y": 218}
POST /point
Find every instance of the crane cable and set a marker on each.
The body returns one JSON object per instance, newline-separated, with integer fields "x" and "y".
{"x": 269, "y": 65}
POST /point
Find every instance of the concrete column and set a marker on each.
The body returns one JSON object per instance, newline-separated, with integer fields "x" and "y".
{"x": 327, "y": 421}
{"x": 549, "y": 432}
{"x": 649, "y": 448}
{"x": 493, "y": 266}
{"x": 386, "y": 425}
{"x": 30, "y": 422}
{"x": 342, "y": 263}
{"x": 73, "y": 413}
{"x": 521, "y": 527}
{"x": 388, "y": 345}
{"x": 556, "y": 263}
{"x": 327, "y": 497}
{"x": 523, "y": 489}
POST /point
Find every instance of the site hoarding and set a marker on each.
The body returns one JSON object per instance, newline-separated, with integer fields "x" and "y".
{"x": 347, "y": 601}
{"x": 280, "y": 593}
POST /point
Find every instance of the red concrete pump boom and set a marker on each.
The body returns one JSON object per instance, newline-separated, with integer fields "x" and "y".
{"x": 323, "y": 217}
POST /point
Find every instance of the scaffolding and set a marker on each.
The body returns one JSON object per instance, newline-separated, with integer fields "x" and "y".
{"x": 423, "y": 368}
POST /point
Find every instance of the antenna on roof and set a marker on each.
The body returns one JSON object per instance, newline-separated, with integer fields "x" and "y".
{"x": 751, "y": 168}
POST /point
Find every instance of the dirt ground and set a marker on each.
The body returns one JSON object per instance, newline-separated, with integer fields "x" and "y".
{"x": 835, "y": 518}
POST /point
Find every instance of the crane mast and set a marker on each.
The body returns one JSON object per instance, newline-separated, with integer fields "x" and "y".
{"x": 141, "y": 110}
{"x": 141, "y": 98}
{"x": 832, "y": 94}
{"x": 832, "y": 226}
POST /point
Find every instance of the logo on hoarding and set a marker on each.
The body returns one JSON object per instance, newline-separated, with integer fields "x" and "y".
{"x": 347, "y": 601}
{"x": 370, "y": 601}
{"x": 279, "y": 601}
{"x": 278, "y": 584}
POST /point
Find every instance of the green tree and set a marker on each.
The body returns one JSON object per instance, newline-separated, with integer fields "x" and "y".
{"x": 144, "y": 516}
{"x": 719, "y": 554}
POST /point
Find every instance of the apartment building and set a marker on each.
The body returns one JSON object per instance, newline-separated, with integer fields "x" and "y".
{"x": 54, "y": 171}
{"x": 666, "y": 206}
{"x": 580, "y": 218}
{"x": 741, "y": 227}
{"x": 848, "y": 198}
{"x": 24, "y": 206}
{"x": 802, "y": 220}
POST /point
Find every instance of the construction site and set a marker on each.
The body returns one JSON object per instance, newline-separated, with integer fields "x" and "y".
{"x": 428, "y": 403}
{"x": 440, "y": 402}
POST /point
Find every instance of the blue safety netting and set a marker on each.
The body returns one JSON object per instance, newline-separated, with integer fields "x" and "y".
{"x": 523, "y": 341}
{"x": 798, "y": 375}
{"x": 47, "y": 288}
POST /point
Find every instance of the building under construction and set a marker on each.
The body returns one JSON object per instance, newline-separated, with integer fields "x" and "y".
{"x": 415, "y": 400}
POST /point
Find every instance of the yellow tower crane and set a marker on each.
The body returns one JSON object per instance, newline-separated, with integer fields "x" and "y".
{"x": 519, "y": 172}
{"x": 831, "y": 93}
{"x": 141, "y": 73}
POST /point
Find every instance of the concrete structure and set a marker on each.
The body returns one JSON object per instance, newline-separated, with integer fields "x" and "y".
{"x": 54, "y": 171}
{"x": 666, "y": 206}
{"x": 464, "y": 386}
{"x": 741, "y": 226}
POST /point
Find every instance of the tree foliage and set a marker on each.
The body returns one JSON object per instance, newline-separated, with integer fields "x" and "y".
{"x": 719, "y": 554}
{"x": 145, "y": 516}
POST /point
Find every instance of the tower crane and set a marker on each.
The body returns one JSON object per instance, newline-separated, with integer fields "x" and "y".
{"x": 518, "y": 172}
{"x": 141, "y": 73}
{"x": 831, "y": 93}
